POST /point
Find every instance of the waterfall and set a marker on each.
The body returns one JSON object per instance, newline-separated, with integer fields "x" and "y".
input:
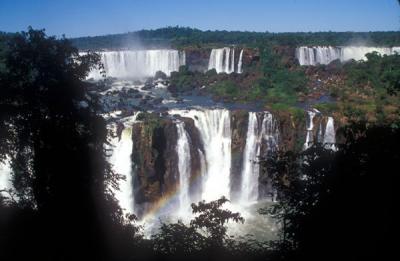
{"x": 358, "y": 53}
{"x": 184, "y": 168}
{"x": 330, "y": 137}
{"x": 257, "y": 135}
{"x": 240, "y": 62}
{"x": 250, "y": 170}
{"x": 326, "y": 54}
{"x": 310, "y": 128}
{"x": 215, "y": 132}
{"x": 5, "y": 175}
{"x": 121, "y": 163}
{"x": 232, "y": 69}
{"x": 223, "y": 60}
{"x": 139, "y": 64}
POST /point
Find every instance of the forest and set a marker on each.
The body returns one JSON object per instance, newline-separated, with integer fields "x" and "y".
{"x": 179, "y": 37}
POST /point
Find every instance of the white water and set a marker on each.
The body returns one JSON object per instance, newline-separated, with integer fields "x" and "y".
{"x": 215, "y": 131}
{"x": 330, "y": 137}
{"x": 326, "y": 54}
{"x": 250, "y": 169}
{"x": 184, "y": 168}
{"x": 5, "y": 176}
{"x": 121, "y": 163}
{"x": 256, "y": 134}
{"x": 240, "y": 62}
{"x": 139, "y": 64}
{"x": 223, "y": 60}
{"x": 310, "y": 128}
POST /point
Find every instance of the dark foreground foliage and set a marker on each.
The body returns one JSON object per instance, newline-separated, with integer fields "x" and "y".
{"x": 339, "y": 205}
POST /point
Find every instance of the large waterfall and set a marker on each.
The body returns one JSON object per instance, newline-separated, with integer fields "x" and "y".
{"x": 121, "y": 163}
{"x": 326, "y": 54}
{"x": 223, "y": 60}
{"x": 260, "y": 130}
{"x": 139, "y": 64}
{"x": 215, "y": 131}
{"x": 184, "y": 168}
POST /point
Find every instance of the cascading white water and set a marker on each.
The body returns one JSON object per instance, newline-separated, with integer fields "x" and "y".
{"x": 257, "y": 134}
{"x": 330, "y": 136}
{"x": 121, "y": 164}
{"x": 240, "y": 62}
{"x": 5, "y": 175}
{"x": 317, "y": 55}
{"x": 310, "y": 128}
{"x": 139, "y": 64}
{"x": 250, "y": 170}
{"x": 215, "y": 131}
{"x": 223, "y": 60}
{"x": 184, "y": 168}
{"x": 120, "y": 159}
{"x": 326, "y": 54}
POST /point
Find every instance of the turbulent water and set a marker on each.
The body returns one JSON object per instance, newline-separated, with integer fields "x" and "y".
{"x": 139, "y": 64}
{"x": 223, "y": 60}
{"x": 326, "y": 54}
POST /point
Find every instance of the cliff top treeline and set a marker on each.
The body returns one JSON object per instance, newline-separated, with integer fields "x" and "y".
{"x": 185, "y": 36}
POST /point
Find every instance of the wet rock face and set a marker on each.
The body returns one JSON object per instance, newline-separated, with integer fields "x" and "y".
{"x": 250, "y": 57}
{"x": 197, "y": 59}
{"x": 196, "y": 152}
{"x": 239, "y": 123}
{"x": 154, "y": 159}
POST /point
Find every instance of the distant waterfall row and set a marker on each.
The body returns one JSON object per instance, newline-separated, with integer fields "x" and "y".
{"x": 223, "y": 60}
{"x": 326, "y": 136}
{"x": 139, "y": 64}
{"x": 326, "y": 54}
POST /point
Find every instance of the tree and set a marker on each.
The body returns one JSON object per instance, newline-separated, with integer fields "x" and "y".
{"x": 55, "y": 140}
{"x": 330, "y": 203}
{"x": 213, "y": 219}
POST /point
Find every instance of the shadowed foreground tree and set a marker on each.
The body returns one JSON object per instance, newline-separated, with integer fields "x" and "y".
{"x": 339, "y": 206}
{"x": 205, "y": 236}
{"x": 55, "y": 141}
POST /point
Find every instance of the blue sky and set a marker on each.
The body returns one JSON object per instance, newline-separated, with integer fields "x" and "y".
{"x": 90, "y": 17}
